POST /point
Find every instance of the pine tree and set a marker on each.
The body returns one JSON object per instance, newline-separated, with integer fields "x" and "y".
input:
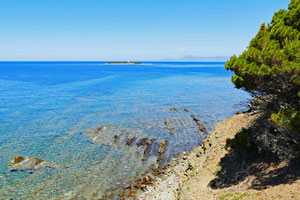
{"x": 271, "y": 65}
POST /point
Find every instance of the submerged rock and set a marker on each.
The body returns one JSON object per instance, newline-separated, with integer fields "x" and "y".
{"x": 186, "y": 110}
{"x": 201, "y": 128}
{"x": 110, "y": 135}
{"x": 20, "y": 163}
{"x": 131, "y": 140}
{"x": 197, "y": 121}
{"x": 104, "y": 134}
{"x": 174, "y": 109}
{"x": 161, "y": 149}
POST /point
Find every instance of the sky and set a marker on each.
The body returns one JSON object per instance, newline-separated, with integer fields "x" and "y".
{"x": 95, "y": 30}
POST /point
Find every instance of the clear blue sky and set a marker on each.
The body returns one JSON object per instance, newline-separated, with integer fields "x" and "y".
{"x": 129, "y": 29}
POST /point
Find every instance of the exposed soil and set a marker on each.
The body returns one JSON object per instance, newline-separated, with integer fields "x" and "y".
{"x": 213, "y": 171}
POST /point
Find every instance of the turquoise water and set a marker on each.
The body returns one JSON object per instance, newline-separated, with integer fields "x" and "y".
{"x": 46, "y": 108}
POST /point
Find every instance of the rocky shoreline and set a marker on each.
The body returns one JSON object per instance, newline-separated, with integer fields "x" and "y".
{"x": 193, "y": 174}
{"x": 143, "y": 156}
{"x": 216, "y": 169}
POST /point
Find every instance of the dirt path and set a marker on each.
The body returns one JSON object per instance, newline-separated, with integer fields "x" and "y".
{"x": 189, "y": 177}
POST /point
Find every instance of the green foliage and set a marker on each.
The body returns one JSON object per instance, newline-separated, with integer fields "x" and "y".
{"x": 287, "y": 117}
{"x": 274, "y": 50}
{"x": 217, "y": 171}
{"x": 223, "y": 197}
{"x": 241, "y": 140}
{"x": 271, "y": 64}
{"x": 235, "y": 196}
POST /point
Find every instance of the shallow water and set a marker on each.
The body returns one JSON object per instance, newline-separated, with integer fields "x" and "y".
{"x": 46, "y": 108}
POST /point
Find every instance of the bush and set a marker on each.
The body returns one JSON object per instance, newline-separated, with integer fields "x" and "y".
{"x": 242, "y": 140}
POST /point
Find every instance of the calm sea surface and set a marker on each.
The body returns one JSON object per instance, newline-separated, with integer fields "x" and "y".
{"x": 46, "y": 108}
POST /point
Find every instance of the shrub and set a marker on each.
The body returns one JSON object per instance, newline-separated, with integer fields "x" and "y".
{"x": 287, "y": 118}
{"x": 241, "y": 140}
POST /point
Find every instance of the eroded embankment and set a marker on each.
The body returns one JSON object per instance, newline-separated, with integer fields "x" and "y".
{"x": 214, "y": 171}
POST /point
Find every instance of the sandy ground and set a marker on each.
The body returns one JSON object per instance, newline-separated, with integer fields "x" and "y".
{"x": 188, "y": 178}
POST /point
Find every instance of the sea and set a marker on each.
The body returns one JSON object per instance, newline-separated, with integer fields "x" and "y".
{"x": 50, "y": 110}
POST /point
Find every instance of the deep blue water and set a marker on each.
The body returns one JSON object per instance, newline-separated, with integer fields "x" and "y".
{"x": 46, "y": 107}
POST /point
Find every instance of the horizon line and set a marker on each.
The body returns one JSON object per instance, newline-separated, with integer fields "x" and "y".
{"x": 103, "y": 61}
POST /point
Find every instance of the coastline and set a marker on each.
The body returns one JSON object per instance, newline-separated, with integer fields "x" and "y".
{"x": 175, "y": 124}
{"x": 189, "y": 176}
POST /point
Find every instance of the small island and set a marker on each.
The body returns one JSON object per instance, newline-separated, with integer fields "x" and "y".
{"x": 123, "y": 63}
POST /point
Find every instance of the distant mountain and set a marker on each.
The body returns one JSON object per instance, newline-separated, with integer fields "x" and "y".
{"x": 192, "y": 58}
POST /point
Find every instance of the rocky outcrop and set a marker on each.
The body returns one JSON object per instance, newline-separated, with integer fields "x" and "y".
{"x": 272, "y": 139}
{"x": 113, "y": 136}
{"x": 261, "y": 104}
{"x": 150, "y": 148}
{"x": 21, "y": 163}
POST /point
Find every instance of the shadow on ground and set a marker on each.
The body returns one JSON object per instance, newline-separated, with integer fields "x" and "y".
{"x": 261, "y": 166}
{"x": 258, "y": 171}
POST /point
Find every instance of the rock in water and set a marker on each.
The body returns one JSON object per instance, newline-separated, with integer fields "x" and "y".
{"x": 161, "y": 149}
{"x": 174, "y": 109}
{"x": 20, "y": 163}
{"x": 201, "y": 128}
